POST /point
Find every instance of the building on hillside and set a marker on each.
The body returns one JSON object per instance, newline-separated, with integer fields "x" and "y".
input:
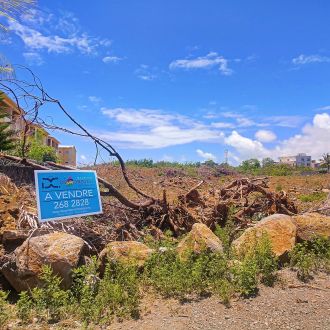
{"x": 35, "y": 132}
{"x": 15, "y": 114}
{"x": 67, "y": 155}
{"x": 53, "y": 142}
{"x": 299, "y": 160}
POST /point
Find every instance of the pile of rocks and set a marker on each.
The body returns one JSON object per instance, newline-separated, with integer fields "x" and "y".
{"x": 63, "y": 251}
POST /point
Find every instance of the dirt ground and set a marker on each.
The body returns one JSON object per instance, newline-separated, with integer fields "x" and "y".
{"x": 291, "y": 304}
{"x": 176, "y": 181}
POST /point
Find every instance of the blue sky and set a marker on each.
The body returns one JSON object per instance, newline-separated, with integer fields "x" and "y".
{"x": 184, "y": 80}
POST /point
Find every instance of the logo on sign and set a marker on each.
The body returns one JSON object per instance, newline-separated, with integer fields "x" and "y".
{"x": 47, "y": 183}
{"x": 69, "y": 181}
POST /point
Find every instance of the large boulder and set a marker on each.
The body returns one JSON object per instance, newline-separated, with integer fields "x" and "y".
{"x": 199, "y": 239}
{"x": 280, "y": 230}
{"x": 131, "y": 252}
{"x": 310, "y": 225}
{"x": 59, "y": 250}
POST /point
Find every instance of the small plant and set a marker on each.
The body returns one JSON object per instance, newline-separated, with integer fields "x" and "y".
{"x": 303, "y": 261}
{"x": 246, "y": 276}
{"x": 310, "y": 256}
{"x": 5, "y": 310}
{"x": 84, "y": 289}
{"x": 173, "y": 277}
{"x": 257, "y": 261}
{"x": 316, "y": 196}
{"x": 166, "y": 241}
{"x": 278, "y": 187}
{"x": 118, "y": 293}
{"x": 224, "y": 289}
{"x": 47, "y": 303}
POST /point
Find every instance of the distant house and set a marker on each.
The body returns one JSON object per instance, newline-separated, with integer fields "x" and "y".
{"x": 52, "y": 142}
{"x": 35, "y": 132}
{"x": 298, "y": 160}
{"x": 67, "y": 155}
{"x": 15, "y": 114}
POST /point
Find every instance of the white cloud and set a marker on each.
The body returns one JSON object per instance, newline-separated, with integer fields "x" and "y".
{"x": 265, "y": 136}
{"x": 33, "y": 58}
{"x": 313, "y": 140}
{"x": 286, "y": 121}
{"x": 94, "y": 99}
{"x": 239, "y": 121}
{"x": 150, "y": 128}
{"x": 83, "y": 157}
{"x": 222, "y": 125}
{"x": 246, "y": 147}
{"x": 307, "y": 59}
{"x": 65, "y": 35}
{"x": 206, "y": 155}
{"x": 163, "y": 136}
{"x": 111, "y": 59}
{"x": 146, "y": 73}
{"x": 322, "y": 121}
{"x": 139, "y": 117}
{"x": 212, "y": 59}
{"x": 324, "y": 108}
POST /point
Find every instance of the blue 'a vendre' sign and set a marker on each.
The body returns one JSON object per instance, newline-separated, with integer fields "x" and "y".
{"x": 67, "y": 194}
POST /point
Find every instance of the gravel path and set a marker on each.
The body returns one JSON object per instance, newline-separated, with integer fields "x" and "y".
{"x": 289, "y": 305}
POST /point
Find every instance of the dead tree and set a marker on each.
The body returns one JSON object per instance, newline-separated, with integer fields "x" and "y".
{"x": 32, "y": 96}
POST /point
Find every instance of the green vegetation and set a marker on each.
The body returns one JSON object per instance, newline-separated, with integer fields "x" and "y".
{"x": 149, "y": 163}
{"x": 48, "y": 303}
{"x": 317, "y": 196}
{"x": 96, "y": 300}
{"x": 309, "y": 256}
{"x": 5, "y": 310}
{"x": 267, "y": 167}
{"x": 36, "y": 151}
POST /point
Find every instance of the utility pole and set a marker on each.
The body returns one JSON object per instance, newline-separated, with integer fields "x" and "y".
{"x": 226, "y": 156}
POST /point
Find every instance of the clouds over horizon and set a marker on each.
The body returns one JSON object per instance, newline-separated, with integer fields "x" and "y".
{"x": 155, "y": 129}
{"x": 152, "y": 129}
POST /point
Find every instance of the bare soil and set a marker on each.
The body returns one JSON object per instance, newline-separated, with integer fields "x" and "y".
{"x": 290, "y": 304}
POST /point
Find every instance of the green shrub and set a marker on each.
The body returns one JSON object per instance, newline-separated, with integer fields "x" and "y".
{"x": 84, "y": 289}
{"x": 36, "y": 150}
{"x": 316, "y": 196}
{"x": 118, "y": 293}
{"x": 227, "y": 234}
{"x": 24, "y": 306}
{"x": 47, "y": 303}
{"x": 258, "y": 261}
{"x": 173, "y": 277}
{"x": 98, "y": 301}
{"x": 5, "y": 310}
{"x": 267, "y": 262}
{"x": 166, "y": 241}
{"x": 224, "y": 289}
{"x": 302, "y": 260}
{"x": 310, "y": 256}
{"x": 246, "y": 276}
